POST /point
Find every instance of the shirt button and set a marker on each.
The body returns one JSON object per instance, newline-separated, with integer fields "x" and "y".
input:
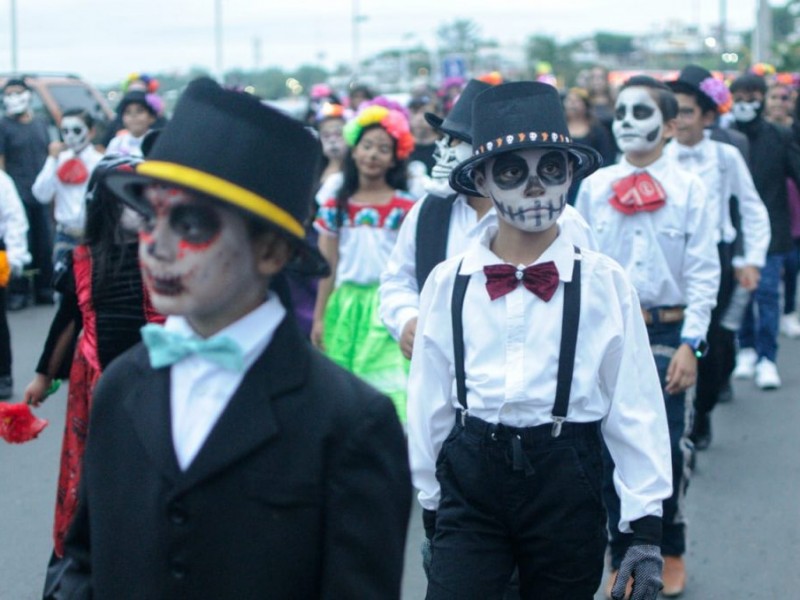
{"x": 638, "y": 232}
{"x": 177, "y": 514}
{"x": 177, "y": 569}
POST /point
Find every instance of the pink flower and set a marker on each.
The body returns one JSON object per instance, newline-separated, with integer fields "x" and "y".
{"x": 716, "y": 90}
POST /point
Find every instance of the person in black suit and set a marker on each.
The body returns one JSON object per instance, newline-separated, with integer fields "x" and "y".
{"x": 227, "y": 458}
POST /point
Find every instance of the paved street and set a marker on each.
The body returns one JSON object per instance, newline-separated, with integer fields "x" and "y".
{"x": 742, "y": 504}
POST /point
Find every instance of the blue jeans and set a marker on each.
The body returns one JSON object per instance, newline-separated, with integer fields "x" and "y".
{"x": 760, "y": 327}
{"x": 791, "y": 267}
{"x": 664, "y": 339}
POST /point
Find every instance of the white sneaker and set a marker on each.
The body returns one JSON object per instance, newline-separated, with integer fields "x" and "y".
{"x": 790, "y": 325}
{"x": 746, "y": 360}
{"x": 767, "y": 377}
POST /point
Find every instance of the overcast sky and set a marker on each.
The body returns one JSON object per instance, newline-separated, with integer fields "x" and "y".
{"x": 104, "y": 40}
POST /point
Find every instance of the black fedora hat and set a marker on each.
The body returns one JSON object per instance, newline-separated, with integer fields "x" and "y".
{"x": 688, "y": 82}
{"x": 458, "y": 122}
{"x": 519, "y": 116}
{"x": 234, "y": 149}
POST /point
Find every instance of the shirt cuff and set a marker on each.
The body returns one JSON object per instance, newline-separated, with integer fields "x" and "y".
{"x": 646, "y": 531}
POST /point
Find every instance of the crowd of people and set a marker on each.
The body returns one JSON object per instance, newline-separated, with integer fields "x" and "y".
{"x": 330, "y": 311}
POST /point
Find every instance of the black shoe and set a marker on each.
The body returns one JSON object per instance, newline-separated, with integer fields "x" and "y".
{"x": 16, "y": 302}
{"x": 701, "y": 431}
{"x": 6, "y": 387}
{"x": 725, "y": 395}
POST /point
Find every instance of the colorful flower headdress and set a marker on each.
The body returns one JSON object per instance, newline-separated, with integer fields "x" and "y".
{"x": 330, "y": 110}
{"x": 392, "y": 121}
{"x": 151, "y": 83}
{"x": 718, "y": 92}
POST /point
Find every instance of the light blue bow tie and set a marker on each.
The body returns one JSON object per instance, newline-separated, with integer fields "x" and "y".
{"x": 166, "y": 348}
{"x": 690, "y": 154}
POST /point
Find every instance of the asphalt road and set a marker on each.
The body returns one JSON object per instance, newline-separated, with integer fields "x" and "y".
{"x": 743, "y": 503}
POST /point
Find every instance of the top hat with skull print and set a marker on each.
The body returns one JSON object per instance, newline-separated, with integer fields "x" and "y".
{"x": 231, "y": 148}
{"x": 519, "y": 116}
{"x": 458, "y": 122}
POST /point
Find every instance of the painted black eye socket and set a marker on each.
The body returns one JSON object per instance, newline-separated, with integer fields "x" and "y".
{"x": 509, "y": 171}
{"x": 642, "y": 111}
{"x": 195, "y": 224}
{"x": 552, "y": 168}
{"x": 619, "y": 113}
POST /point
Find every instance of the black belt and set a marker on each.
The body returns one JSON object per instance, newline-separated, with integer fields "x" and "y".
{"x": 566, "y": 356}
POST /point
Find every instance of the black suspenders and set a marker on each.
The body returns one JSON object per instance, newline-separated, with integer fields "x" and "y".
{"x": 566, "y": 357}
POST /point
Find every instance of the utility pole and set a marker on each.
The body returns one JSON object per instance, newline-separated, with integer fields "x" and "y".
{"x": 762, "y": 38}
{"x": 218, "y": 41}
{"x": 723, "y": 24}
{"x": 14, "y": 65}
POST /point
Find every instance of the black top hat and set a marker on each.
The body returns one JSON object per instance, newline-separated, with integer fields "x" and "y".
{"x": 519, "y": 116}
{"x": 230, "y": 147}
{"x": 458, "y": 122}
{"x": 688, "y": 82}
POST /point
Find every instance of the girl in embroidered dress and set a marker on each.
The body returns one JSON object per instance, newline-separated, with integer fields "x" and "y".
{"x": 358, "y": 228}
{"x": 103, "y": 306}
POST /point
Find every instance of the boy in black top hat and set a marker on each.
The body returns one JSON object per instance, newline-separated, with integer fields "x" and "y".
{"x": 226, "y": 458}
{"x": 512, "y": 386}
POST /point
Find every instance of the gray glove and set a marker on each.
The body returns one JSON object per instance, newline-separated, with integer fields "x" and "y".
{"x": 644, "y": 563}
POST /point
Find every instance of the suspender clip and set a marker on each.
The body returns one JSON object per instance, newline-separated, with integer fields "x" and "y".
{"x": 557, "y": 423}
{"x": 462, "y": 417}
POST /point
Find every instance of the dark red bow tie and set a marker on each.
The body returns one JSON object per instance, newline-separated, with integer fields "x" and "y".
{"x": 540, "y": 279}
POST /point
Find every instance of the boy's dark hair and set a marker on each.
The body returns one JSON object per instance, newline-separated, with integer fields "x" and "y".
{"x": 665, "y": 99}
{"x": 395, "y": 177}
{"x": 82, "y": 114}
{"x": 16, "y": 81}
{"x": 749, "y": 83}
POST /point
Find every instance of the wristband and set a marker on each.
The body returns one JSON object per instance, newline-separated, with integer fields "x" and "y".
{"x": 646, "y": 531}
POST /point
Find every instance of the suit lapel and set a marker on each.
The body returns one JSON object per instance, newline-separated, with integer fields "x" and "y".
{"x": 249, "y": 421}
{"x": 149, "y": 409}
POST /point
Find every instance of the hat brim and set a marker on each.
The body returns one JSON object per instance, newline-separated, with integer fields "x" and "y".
{"x": 437, "y": 123}
{"x": 129, "y": 188}
{"x": 588, "y": 161}
{"x": 682, "y": 87}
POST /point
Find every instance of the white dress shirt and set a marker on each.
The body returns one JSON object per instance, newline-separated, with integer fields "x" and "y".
{"x": 70, "y": 198}
{"x": 669, "y": 254}
{"x": 724, "y": 173}
{"x": 511, "y": 348}
{"x": 399, "y": 292}
{"x": 201, "y": 389}
{"x": 13, "y": 223}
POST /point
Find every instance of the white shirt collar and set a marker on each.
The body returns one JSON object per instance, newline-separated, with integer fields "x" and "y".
{"x": 249, "y": 332}
{"x": 479, "y": 255}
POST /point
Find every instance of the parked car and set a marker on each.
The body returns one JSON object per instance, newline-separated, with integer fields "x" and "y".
{"x": 54, "y": 93}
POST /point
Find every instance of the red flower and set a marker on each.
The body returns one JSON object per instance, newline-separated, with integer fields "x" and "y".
{"x": 18, "y": 424}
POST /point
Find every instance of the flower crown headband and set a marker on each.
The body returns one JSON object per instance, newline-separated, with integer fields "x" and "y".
{"x": 330, "y": 110}
{"x": 392, "y": 121}
{"x": 718, "y": 92}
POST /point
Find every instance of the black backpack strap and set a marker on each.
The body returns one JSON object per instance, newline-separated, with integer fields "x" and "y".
{"x": 433, "y": 225}
{"x": 569, "y": 342}
{"x": 456, "y": 308}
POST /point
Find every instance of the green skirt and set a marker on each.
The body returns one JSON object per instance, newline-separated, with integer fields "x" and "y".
{"x": 355, "y": 338}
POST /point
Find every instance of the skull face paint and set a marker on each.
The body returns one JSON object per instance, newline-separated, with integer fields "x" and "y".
{"x": 196, "y": 255}
{"x": 528, "y": 188}
{"x": 16, "y": 100}
{"x": 638, "y": 121}
{"x": 744, "y": 112}
{"x": 75, "y": 133}
{"x": 449, "y": 152}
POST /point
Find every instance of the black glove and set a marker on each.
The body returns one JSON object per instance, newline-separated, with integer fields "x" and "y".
{"x": 429, "y": 523}
{"x": 642, "y": 561}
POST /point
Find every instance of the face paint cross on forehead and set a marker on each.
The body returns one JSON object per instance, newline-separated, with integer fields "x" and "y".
{"x": 75, "y": 133}
{"x": 528, "y": 188}
{"x": 638, "y": 121}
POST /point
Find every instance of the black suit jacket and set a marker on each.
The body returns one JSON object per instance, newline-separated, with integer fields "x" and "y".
{"x": 302, "y": 489}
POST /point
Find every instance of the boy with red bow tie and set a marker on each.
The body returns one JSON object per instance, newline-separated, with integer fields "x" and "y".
{"x": 649, "y": 215}
{"x": 513, "y": 387}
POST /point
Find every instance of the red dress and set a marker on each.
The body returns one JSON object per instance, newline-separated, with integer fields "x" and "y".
{"x": 108, "y": 314}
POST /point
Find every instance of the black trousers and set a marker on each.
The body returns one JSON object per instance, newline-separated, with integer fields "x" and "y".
{"x": 40, "y": 245}
{"x": 5, "y": 337}
{"x": 519, "y": 498}
{"x": 715, "y": 369}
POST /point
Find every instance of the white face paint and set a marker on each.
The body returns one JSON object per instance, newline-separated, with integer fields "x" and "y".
{"x": 638, "y": 121}
{"x": 75, "y": 133}
{"x": 197, "y": 257}
{"x": 528, "y": 188}
{"x": 17, "y": 102}
{"x": 449, "y": 152}
{"x": 744, "y": 112}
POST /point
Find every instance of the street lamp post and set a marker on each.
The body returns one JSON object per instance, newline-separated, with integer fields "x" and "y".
{"x": 218, "y": 40}
{"x": 14, "y": 36}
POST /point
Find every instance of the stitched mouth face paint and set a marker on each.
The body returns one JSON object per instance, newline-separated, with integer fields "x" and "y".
{"x": 637, "y": 121}
{"x": 195, "y": 254}
{"x": 528, "y": 188}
